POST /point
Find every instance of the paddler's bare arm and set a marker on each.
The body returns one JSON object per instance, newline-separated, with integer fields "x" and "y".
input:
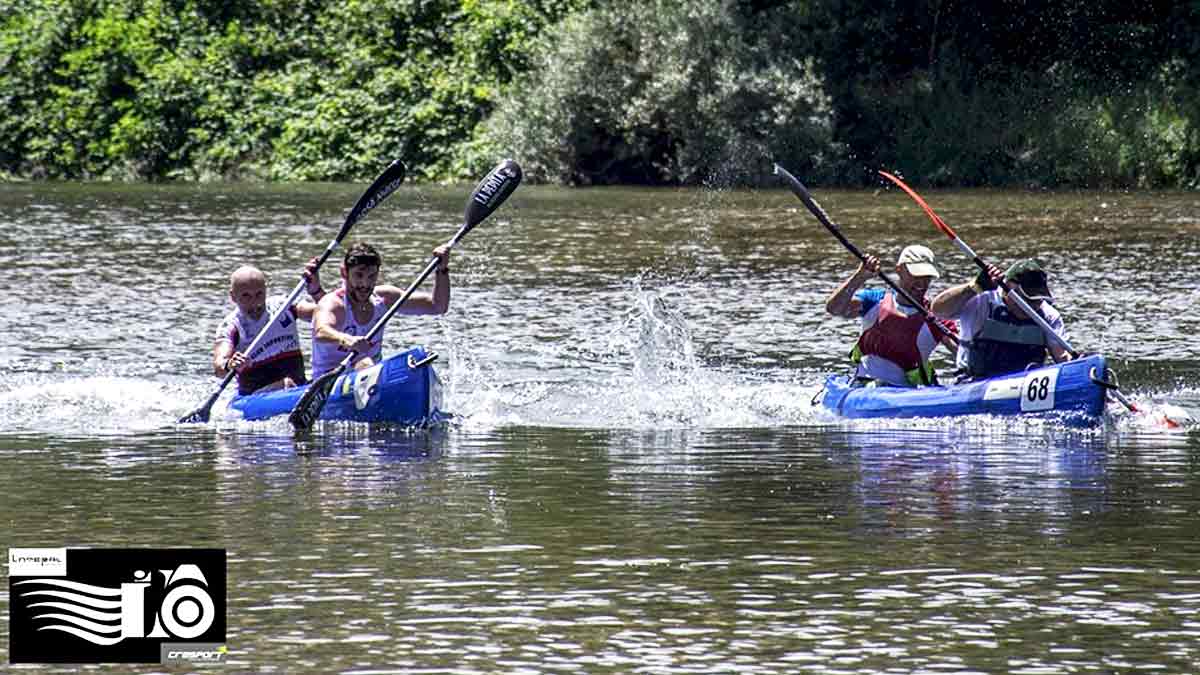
{"x": 304, "y": 309}
{"x": 949, "y": 303}
{"x": 437, "y": 302}
{"x": 842, "y": 301}
{"x": 1058, "y": 353}
{"x": 224, "y": 358}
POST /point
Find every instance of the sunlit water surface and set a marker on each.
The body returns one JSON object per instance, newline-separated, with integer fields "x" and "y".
{"x": 635, "y": 479}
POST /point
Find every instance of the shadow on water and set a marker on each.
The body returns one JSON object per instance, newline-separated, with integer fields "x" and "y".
{"x": 908, "y": 482}
{"x": 331, "y": 440}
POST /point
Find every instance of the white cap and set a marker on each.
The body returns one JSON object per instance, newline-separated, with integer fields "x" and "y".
{"x": 918, "y": 260}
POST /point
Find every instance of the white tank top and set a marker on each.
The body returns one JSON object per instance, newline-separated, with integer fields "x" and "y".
{"x": 277, "y": 354}
{"x": 327, "y": 355}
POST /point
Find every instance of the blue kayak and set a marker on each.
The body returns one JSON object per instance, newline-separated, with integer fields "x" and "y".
{"x": 1067, "y": 389}
{"x": 402, "y": 389}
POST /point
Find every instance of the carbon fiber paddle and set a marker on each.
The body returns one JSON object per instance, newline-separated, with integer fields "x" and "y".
{"x": 800, "y": 191}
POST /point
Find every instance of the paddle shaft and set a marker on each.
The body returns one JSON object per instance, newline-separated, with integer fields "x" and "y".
{"x": 1015, "y": 291}
{"x": 462, "y": 232}
{"x": 262, "y": 334}
{"x": 491, "y": 192}
{"x": 1011, "y": 286}
{"x": 287, "y": 304}
{"x": 378, "y": 191}
{"x": 802, "y": 192}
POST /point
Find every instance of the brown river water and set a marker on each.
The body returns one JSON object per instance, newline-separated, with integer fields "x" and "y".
{"x": 635, "y": 479}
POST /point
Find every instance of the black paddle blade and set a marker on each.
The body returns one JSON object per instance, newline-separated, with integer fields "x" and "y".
{"x": 491, "y": 193}
{"x": 385, "y": 184}
{"x": 814, "y": 208}
{"x": 309, "y": 407}
{"x": 198, "y": 416}
{"x": 801, "y": 191}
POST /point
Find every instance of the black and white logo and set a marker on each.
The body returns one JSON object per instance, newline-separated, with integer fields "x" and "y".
{"x": 113, "y": 605}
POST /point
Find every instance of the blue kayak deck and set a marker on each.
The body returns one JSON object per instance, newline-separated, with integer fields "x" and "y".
{"x": 402, "y": 389}
{"x": 1063, "y": 389}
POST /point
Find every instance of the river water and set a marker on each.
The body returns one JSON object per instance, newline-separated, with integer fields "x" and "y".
{"x": 636, "y": 479}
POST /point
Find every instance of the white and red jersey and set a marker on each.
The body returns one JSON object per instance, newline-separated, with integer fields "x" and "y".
{"x": 277, "y": 355}
{"x": 327, "y": 355}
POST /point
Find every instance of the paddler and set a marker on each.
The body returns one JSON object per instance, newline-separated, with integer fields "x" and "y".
{"x": 897, "y": 338}
{"x": 345, "y": 316}
{"x": 998, "y": 337}
{"x": 277, "y": 360}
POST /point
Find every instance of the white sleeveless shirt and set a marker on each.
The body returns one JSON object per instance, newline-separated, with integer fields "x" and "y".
{"x": 327, "y": 355}
{"x": 277, "y": 354}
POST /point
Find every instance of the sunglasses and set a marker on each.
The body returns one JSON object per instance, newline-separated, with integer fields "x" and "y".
{"x": 362, "y": 259}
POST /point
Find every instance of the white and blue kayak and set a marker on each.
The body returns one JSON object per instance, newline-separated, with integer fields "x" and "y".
{"x": 1074, "y": 390}
{"x": 402, "y": 389}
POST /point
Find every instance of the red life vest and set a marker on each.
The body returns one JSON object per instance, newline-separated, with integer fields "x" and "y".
{"x": 893, "y": 336}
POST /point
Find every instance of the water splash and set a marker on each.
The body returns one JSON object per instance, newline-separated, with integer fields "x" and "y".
{"x": 643, "y": 373}
{"x": 68, "y": 404}
{"x": 1152, "y": 417}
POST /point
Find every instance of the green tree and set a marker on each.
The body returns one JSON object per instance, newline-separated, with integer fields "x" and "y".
{"x": 683, "y": 92}
{"x": 291, "y": 90}
{"x": 1043, "y": 92}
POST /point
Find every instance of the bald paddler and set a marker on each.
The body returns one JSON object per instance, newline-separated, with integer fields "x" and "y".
{"x": 277, "y": 360}
{"x": 897, "y": 338}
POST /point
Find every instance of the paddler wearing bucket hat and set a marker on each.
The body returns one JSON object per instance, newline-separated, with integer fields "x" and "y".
{"x": 997, "y": 336}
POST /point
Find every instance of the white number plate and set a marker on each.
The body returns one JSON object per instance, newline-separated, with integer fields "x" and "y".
{"x": 1037, "y": 390}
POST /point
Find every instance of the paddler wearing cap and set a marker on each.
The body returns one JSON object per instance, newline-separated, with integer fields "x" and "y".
{"x": 997, "y": 336}
{"x": 896, "y": 338}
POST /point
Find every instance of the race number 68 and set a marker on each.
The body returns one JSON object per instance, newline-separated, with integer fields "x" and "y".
{"x": 1037, "y": 391}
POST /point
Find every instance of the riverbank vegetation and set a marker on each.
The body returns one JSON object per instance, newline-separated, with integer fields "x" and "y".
{"x": 1040, "y": 93}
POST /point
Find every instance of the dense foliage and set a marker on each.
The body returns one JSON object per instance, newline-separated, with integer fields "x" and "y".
{"x": 1041, "y": 92}
{"x": 279, "y": 89}
{"x": 665, "y": 91}
{"x": 1081, "y": 92}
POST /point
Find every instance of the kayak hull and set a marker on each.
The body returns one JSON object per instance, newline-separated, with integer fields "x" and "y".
{"x": 402, "y": 389}
{"x": 1065, "y": 389}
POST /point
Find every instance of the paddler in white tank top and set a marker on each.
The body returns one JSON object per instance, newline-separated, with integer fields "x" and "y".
{"x": 344, "y": 317}
{"x": 277, "y": 360}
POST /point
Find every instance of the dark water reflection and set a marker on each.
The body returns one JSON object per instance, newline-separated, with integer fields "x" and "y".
{"x": 635, "y": 480}
{"x": 760, "y": 550}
